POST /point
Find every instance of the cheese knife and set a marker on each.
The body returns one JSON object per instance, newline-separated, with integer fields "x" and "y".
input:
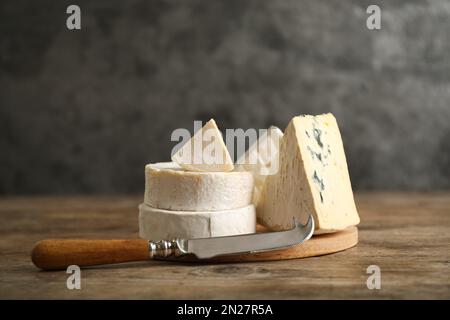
{"x": 55, "y": 254}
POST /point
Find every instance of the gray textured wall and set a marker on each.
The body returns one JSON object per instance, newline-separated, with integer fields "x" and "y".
{"x": 84, "y": 111}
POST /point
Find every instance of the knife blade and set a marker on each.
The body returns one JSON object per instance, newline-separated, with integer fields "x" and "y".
{"x": 206, "y": 248}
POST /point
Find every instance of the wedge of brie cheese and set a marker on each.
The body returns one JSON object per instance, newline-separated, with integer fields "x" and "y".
{"x": 312, "y": 179}
{"x": 261, "y": 159}
{"x": 158, "y": 224}
{"x": 205, "y": 151}
{"x": 168, "y": 186}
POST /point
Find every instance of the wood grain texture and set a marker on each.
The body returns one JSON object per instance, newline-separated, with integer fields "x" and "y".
{"x": 406, "y": 234}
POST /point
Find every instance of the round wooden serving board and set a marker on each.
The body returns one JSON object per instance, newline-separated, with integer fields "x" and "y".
{"x": 316, "y": 246}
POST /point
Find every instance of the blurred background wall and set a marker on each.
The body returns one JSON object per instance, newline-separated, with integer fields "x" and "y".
{"x": 84, "y": 111}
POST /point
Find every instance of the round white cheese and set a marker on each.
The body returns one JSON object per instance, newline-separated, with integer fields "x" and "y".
{"x": 168, "y": 186}
{"x": 159, "y": 224}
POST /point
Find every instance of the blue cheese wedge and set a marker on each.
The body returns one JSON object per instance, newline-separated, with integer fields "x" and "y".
{"x": 312, "y": 179}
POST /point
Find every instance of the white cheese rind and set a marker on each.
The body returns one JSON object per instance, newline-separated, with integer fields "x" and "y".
{"x": 158, "y": 224}
{"x": 266, "y": 152}
{"x": 313, "y": 178}
{"x": 167, "y": 186}
{"x": 199, "y": 159}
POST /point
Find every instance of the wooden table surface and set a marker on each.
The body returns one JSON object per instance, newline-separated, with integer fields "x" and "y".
{"x": 406, "y": 234}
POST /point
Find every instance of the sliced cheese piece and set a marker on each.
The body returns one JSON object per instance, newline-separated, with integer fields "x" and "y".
{"x": 168, "y": 186}
{"x": 313, "y": 178}
{"x": 158, "y": 224}
{"x": 205, "y": 151}
{"x": 261, "y": 159}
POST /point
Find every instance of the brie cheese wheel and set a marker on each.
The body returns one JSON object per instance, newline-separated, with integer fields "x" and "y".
{"x": 167, "y": 186}
{"x": 312, "y": 179}
{"x": 261, "y": 159}
{"x": 159, "y": 224}
{"x": 205, "y": 151}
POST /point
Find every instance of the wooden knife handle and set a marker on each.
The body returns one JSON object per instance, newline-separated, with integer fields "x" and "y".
{"x": 61, "y": 253}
